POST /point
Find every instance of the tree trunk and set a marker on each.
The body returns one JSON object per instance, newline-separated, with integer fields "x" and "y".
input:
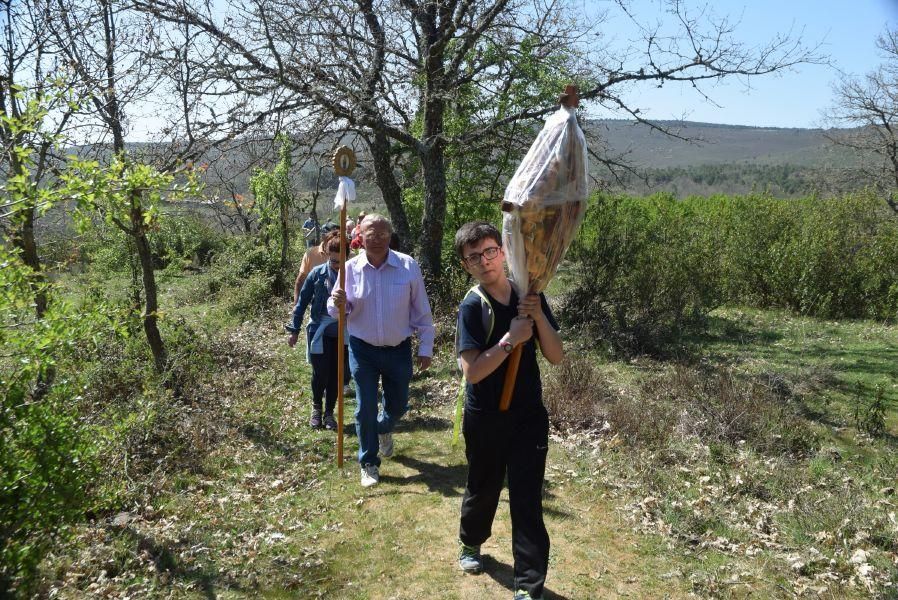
{"x": 434, "y": 168}
{"x": 23, "y": 239}
{"x": 389, "y": 188}
{"x": 433, "y": 164}
{"x": 151, "y": 306}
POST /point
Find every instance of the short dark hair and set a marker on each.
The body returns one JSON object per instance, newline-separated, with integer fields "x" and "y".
{"x": 332, "y": 244}
{"x": 472, "y": 232}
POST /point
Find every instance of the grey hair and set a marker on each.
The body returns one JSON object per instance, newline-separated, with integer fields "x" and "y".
{"x": 373, "y": 218}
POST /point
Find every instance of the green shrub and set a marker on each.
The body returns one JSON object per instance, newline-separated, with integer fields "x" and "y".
{"x": 758, "y": 235}
{"x": 46, "y": 452}
{"x": 832, "y": 258}
{"x": 180, "y": 240}
{"x": 245, "y": 277}
{"x": 870, "y": 416}
{"x": 107, "y": 250}
{"x": 175, "y": 242}
{"x": 643, "y": 268}
{"x": 47, "y": 459}
{"x": 646, "y": 267}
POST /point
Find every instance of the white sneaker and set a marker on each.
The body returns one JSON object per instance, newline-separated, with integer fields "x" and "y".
{"x": 370, "y": 475}
{"x": 386, "y": 444}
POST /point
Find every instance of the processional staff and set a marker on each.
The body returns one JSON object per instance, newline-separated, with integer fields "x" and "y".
{"x": 344, "y": 164}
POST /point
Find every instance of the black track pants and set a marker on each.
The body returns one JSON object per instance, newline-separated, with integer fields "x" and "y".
{"x": 497, "y": 444}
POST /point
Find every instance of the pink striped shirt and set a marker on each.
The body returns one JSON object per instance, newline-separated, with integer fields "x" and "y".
{"x": 386, "y": 305}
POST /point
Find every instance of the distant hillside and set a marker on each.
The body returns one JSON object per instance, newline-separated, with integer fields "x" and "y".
{"x": 714, "y": 144}
{"x": 730, "y": 159}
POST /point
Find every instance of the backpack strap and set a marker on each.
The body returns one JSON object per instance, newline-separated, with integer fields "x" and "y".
{"x": 488, "y": 318}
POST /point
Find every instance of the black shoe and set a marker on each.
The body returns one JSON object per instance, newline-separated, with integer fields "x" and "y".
{"x": 330, "y": 423}
{"x": 315, "y": 419}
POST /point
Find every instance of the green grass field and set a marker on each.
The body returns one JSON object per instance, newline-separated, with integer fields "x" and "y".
{"x": 261, "y": 510}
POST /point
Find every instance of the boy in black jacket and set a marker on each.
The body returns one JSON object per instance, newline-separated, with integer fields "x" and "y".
{"x": 513, "y": 442}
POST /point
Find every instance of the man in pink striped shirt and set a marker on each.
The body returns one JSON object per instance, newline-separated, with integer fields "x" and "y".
{"x": 386, "y": 304}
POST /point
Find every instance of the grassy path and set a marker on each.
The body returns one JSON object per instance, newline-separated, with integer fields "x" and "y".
{"x": 268, "y": 514}
{"x": 398, "y": 539}
{"x": 260, "y": 509}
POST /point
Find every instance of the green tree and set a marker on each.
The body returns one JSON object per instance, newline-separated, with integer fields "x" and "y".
{"x": 273, "y": 201}
{"x": 392, "y": 71}
{"x": 45, "y": 451}
{"x": 128, "y": 195}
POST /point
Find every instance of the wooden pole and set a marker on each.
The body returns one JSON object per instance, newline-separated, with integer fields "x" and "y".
{"x": 344, "y": 163}
{"x": 341, "y": 321}
{"x": 514, "y": 361}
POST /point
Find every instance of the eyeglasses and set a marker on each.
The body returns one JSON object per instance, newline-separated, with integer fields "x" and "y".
{"x": 475, "y": 259}
{"x": 370, "y": 236}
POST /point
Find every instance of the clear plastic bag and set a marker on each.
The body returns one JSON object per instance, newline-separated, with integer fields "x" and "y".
{"x": 545, "y": 202}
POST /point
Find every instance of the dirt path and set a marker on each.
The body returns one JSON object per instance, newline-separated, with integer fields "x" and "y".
{"x": 269, "y": 515}
{"x": 398, "y": 539}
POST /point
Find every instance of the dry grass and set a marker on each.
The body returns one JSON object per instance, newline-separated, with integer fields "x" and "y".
{"x": 713, "y": 405}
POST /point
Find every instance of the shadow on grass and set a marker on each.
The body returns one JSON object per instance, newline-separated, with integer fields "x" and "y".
{"x": 503, "y": 574}
{"x": 720, "y": 330}
{"x": 556, "y": 512}
{"x": 263, "y": 436}
{"x": 421, "y": 422}
{"x": 446, "y": 480}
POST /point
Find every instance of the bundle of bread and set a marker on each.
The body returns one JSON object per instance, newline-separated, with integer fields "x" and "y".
{"x": 545, "y": 201}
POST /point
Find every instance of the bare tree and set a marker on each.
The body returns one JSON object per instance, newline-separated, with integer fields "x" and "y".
{"x": 867, "y": 110}
{"x": 399, "y": 71}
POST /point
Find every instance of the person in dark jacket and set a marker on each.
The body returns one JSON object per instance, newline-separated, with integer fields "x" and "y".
{"x": 321, "y": 336}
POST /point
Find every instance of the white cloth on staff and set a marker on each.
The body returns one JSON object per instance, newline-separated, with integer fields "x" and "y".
{"x": 345, "y": 192}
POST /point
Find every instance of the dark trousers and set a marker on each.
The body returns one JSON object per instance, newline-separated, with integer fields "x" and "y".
{"x": 497, "y": 444}
{"x": 324, "y": 375}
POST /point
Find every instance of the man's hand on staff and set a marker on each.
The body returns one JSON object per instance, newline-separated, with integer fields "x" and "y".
{"x": 424, "y": 362}
{"x": 339, "y": 298}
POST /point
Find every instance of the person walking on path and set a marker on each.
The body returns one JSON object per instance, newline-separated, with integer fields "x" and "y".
{"x": 321, "y": 335}
{"x": 313, "y": 257}
{"x": 311, "y": 230}
{"x": 386, "y": 304}
{"x": 514, "y": 442}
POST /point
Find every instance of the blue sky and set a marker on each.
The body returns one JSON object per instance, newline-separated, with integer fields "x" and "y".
{"x": 847, "y": 31}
